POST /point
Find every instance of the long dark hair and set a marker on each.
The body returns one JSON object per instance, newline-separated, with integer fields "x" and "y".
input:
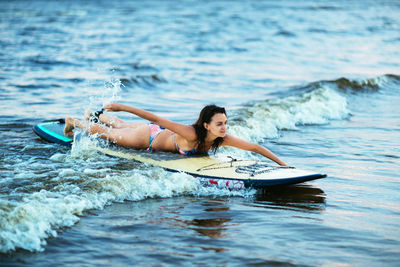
{"x": 205, "y": 116}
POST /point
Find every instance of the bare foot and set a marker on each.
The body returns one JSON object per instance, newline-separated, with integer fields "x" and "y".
{"x": 69, "y": 126}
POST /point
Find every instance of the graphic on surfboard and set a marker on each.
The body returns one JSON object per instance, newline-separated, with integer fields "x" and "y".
{"x": 226, "y": 172}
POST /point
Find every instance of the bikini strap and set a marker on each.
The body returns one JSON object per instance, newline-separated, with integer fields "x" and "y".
{"x": 183, "y": 152}
{"x": 176, "y": 145}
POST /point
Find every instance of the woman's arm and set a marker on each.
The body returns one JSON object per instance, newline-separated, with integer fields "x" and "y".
{"x": 185, "y": 131}
{"x": 136, "y": 111}
{"x": 230, "y": 140}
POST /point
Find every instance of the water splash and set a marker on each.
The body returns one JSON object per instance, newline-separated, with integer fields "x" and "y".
{"x": 109, "y": 93}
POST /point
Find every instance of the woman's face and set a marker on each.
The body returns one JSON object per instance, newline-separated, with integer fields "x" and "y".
{"x": 217, "y": 126}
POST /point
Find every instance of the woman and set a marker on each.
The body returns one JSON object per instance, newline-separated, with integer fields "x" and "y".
{"x": 208, "y": 133}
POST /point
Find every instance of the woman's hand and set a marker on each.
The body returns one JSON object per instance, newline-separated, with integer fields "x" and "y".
{"x": 114, "y": 107}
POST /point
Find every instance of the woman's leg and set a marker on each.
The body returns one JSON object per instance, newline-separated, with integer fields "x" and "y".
{"x": 116, "y": 122}
{"x": 107, "y": 119}
{"x": 112, "y": 121}
{"x": 137, "y": 137}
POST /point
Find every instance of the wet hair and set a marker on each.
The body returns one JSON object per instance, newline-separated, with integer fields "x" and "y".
{"x": 205, "y": 116}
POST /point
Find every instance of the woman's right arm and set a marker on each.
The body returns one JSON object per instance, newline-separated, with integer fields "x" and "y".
{"x": 230, "y": 140}
{"x": 185, "y": 131}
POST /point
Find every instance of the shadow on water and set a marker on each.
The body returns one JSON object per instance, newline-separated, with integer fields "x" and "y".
{"x": 303, "y": 197}
{"x": 214, "y": 217}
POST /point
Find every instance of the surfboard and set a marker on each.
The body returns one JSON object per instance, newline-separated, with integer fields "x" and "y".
{"x": 222, "y": 171}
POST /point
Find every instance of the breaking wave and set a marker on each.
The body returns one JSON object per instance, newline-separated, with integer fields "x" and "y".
{"x": 316, "y": 103}
{"x": 265, "y": 119}
{"x": 82, "y": 182}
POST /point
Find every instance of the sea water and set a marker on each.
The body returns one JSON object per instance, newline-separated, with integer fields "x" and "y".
{"x": 316, "y": 82}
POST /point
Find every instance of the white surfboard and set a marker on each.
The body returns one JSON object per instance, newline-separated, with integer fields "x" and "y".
{"x": 224, "y": 172}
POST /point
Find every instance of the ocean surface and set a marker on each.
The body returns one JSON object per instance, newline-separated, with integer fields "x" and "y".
{"x": 316, "y": 82}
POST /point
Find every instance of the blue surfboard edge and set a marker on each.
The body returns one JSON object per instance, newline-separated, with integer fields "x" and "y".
{"x": 51, "y": 136}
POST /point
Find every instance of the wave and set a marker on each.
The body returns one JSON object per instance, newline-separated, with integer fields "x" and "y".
{"x": 370, "y": 85}
{"x": 316, "y": 103}
{"x": 82, "y": 182}
{"x": 27, "y": 224}
{"x": 265, "y": 119}
{"x": 143, "y": 80}
{"x": 44, "y": 60}
{"x": 144, "y": 75}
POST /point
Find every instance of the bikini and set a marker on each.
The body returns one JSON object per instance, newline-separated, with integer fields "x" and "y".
{"x": 184, "y": 152}
{"x": 155, "y": 130}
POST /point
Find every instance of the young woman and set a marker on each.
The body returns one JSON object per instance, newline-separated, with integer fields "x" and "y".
{"x": 208, "y": 133}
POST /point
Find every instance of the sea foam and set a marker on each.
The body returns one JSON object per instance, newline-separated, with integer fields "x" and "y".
{"x": 265, "y": 119}
{"x": 88, "y": 180}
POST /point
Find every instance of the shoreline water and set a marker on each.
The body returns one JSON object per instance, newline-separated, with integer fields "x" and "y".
{"x": 317, "y": 83}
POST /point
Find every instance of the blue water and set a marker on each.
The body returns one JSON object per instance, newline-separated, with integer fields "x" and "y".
{"x": 317, "y": 82}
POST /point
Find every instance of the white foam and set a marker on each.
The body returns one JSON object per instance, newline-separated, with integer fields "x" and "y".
{"x": 83, "y": 183}
{"x": 265, "y": 119}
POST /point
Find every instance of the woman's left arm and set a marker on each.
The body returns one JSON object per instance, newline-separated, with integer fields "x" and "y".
{"x": 230, "y": 140}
